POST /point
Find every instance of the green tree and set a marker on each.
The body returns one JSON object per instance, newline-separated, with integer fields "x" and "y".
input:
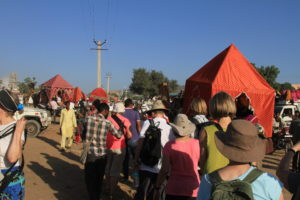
{"x": 156, "y": 78}
{"x": 27, "y": 85}
{"x": 269, "y": 73}
{"x": 286, "y": 86}
{"x": 173, "y": 86}
{"x": 140, "y": 81}
{"x": 147, "y": 83}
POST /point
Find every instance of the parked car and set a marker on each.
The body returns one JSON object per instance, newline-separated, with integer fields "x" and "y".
{"x": 286, "y": 111}
{"x": 37, "y": 120}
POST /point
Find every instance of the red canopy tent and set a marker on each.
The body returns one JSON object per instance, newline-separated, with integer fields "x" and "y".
{"x": 78, "y": 94}
{"x": 57, "y": 83}
{"x": 232, "y": 73}
{"x": 100, "y": 94}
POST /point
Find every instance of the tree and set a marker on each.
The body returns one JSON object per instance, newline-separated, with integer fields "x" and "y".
{"x": 27, "y": 85}
{"x": 286, "y": 86}
{"x": 140, "y": 81}
{"x": 173, "y": 85}
{"x": 147, "y": 83}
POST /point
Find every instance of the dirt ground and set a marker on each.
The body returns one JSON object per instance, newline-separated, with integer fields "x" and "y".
{"x": 51, "y": 174}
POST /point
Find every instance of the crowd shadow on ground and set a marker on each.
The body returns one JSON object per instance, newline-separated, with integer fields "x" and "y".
{"x": 67, "y": 180}
{"x": 56, "y": 145}
{"x": 64, "y": 178}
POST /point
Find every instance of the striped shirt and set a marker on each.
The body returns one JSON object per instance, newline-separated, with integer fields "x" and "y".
{"x": 97, "y": 128}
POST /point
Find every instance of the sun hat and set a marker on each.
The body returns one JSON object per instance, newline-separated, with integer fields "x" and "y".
{"x": 158, "y": 105}
{"x": 241, "y": 142}
{"x": 118, "y": 108}
{"x": 183, "y": 126}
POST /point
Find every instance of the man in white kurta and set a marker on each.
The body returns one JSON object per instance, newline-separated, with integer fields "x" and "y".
{"x": 67, "y": 124}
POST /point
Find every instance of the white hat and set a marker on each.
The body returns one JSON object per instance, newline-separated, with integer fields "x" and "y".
{"x": 118, "y": 108}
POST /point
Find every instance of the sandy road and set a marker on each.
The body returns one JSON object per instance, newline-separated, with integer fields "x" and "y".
{"x": 51, "y": 174}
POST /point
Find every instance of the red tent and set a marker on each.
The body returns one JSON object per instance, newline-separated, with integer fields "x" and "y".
{"x": 57, "y": 83}
{"x": 100, "y": 94}
{"x": 78, "y": 94}
{"x": 232, "y": 73}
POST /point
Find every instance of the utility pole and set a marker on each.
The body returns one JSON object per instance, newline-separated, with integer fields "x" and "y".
{"x": 108, "y": 76}
{"x": 99, "y": 44}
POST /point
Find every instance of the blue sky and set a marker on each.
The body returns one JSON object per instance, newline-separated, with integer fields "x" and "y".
{"x": 43, "y": 38}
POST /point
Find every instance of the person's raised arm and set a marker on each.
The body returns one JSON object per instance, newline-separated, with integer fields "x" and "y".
{"x": 14, "y": 151}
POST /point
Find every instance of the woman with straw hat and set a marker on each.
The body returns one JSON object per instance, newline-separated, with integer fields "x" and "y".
{"x": 242, "y": 145}
{"x": 180, "y": 160}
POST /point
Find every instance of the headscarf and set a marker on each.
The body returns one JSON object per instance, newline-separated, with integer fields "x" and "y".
{"x": 7, "y": 101}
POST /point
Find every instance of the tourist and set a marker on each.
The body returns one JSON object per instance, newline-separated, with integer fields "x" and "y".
{"x": 97, "y": 128}
{"x": 148, "y": 174}
{"x": 198, "y": 109}
{"x": 222, "y": 109}
{"x": 180, "y": 160}
{"x": 67, "y": 125}
{"x": 116, "y": 147}
{"x": 134, "y": 117}
{"x": 295, "y": 131}
{"x": 244, "y": 109}
{"x": 242, "y": 145}
{"x": 54, "y": 108}
{"x": 291, "y": 180}
{"x": 11, "y": 145}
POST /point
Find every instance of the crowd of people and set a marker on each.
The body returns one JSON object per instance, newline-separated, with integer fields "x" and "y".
{"x": 202, "y": 155}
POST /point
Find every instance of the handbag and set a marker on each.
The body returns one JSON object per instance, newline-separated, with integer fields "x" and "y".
{"x": 84, "y": 153}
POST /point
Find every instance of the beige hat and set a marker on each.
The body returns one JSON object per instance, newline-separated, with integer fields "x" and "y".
{"x": 158, "y": 105}
{"x": 241, "y": 142}
{"x": 118, "y": 108}
{"x": 183, "y": 126}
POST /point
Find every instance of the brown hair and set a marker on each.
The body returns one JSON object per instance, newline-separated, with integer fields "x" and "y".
{"x": 199, "y": 106}
{"x": 222, "y": 105}
{"x": 15, "y": 98}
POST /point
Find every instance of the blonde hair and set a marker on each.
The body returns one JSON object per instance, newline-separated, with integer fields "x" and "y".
{"x": 222, "y": 105}
{"x": 199, "y": 106}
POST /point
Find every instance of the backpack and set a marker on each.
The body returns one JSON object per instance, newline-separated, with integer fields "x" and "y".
{"x": 234, "y": 189}
{"x": 151, "y": 150}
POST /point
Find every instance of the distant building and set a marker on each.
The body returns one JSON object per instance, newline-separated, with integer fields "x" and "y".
{"x": 10, "y": 82}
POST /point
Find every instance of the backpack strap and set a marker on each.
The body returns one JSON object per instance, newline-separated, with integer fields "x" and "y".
{"x": 215, "y": 178}
{"x": 253, "y": 175}
{"x": 119, "y": 122}
{"x": 151, "y": 122}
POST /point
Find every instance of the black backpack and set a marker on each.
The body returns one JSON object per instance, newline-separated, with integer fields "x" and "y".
{"x": 151, "y": 150}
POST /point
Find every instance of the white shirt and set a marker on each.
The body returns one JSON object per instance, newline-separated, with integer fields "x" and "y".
{"x": 72, "y": 105}
{"x": 58, "y": 99}
{"x": 54, "y": 105}
{"x": 166, "y": 136}
{"x": 4, "y": 144}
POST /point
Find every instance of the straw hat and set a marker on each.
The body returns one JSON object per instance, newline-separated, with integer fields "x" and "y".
{"x": 183, "y": 126}
{"x": 241, "y": 142}
{"x": 118, "y": 108}
{"x": 158, "y": 105}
